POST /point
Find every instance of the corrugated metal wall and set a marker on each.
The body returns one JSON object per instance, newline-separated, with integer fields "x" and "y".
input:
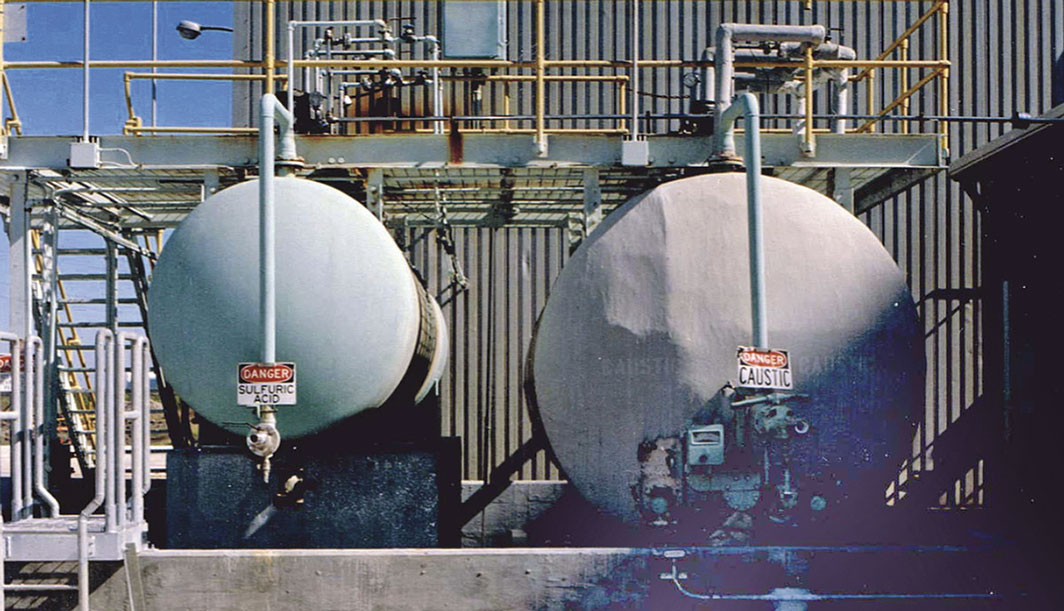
{"x": 1002, "y": 54}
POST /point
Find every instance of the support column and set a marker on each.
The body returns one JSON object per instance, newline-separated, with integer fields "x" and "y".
{"x": 592, "y": 200}
{"x": 18, "y": 233}
{"x": 842, "y": 188}
{"x": 375, "y": 192}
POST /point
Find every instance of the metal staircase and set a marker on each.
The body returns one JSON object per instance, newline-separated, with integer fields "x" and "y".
{"x": 61, "y": 303}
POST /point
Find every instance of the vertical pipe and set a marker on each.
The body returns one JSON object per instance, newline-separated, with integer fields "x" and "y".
{"x": 943, "y": 79}
{"x": 39, "y": 433}
{"x": 747, "y": 104}
{"x": 903, "y": 80}
{"x": 145, "y": 417}
{"x": 808, "y": 137}
{"x": 28, "y": 393}
{"x": 154, "y": 57}
{"x": 105, "y": 440}
{"x": 269, "y": 52}
{"x": 870, "y": 103}
{"x": 290, "y": 55}
{"x": 85, "y": 76}
{"x": 118, "y": 431}
{"x": 541, "y": 67}
{"x": 634, "y": 78}
{"x": 136, "y": 415}
{"x": 842, "y": 101}
{"x": 103, "y": 339}
{"x": 15, "y": 447}
{"x": 267, "y": 271}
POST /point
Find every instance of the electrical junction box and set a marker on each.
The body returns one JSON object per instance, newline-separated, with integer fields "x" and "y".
{"x": 635, "y": 153}
{"x": 474, "y": 29}
{"x": 84, "y": 155}
{"x": 705, "y": 445}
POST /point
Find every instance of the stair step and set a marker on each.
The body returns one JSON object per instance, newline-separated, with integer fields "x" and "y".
{"x": 39, "y": 587}
{"x": 77, "y": 346}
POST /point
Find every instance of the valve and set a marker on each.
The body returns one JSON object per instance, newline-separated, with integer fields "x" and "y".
{"x": 264, "y": 439}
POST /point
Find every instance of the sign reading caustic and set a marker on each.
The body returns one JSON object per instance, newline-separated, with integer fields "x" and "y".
{"x": 764, "y": 368}
{"x": 266, "y": 384}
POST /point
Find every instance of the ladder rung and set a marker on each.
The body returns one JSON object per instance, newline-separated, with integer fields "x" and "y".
{"x": 87, "y": 277}
{"x": 80, "y": 391}
{"x": 82, "y": 251}
{"x": 77, "y": 346}
{"x": 92, "y": 325}
{"x": 81, "y": 411}
{"x": 98, "y": 301}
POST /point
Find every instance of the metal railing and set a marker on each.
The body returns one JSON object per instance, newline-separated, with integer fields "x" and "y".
{"x": 543, "y": 70}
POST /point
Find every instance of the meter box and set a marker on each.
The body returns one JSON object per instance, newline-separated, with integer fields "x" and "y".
{"x": 474, "y": 29}
{"x": 705, "y": 445}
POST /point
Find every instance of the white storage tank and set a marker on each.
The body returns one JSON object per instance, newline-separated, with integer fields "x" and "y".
{"x": 350, "y": 312}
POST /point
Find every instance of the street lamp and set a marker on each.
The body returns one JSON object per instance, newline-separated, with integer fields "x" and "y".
{"x": 191, "y": 30}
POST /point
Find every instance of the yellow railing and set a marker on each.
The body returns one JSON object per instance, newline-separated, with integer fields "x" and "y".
{"x": 542, "y": 70}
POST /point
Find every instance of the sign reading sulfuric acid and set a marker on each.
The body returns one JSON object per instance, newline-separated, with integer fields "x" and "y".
{"x": 266, "y": 384}
{"x": 760, "y": 368}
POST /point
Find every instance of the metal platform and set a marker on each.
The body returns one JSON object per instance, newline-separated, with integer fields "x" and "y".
{"x": 482, "y": 179}
{"x": 56, "y": 539}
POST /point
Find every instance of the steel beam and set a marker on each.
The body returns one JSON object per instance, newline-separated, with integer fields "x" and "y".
{"x": 482, "y": 150}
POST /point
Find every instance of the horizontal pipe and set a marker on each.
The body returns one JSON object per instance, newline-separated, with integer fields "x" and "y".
{"x": 133, "y": 63}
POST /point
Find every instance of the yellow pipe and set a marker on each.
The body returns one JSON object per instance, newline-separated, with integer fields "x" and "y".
{"x": 194, "y": 130}
{"x": 871, "y": 95}
{"x": 14, "y": 122}
{"x": 271, "y": 67}
{"x": 903, "y": 51}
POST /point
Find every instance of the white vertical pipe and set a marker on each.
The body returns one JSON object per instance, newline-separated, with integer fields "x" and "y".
{"x": 40, "y": 432}
{"x": 154, "y": 56}
{"x": 842, "y": 100}
{"x": 105, "y": 439}
{"x": 269, "y": 109}
{"x": 746, "y": 103}
{"x": 103, "y": 338}
{"x": 634, "y": 79}
{"x": 145, "y": 418}
{"x": 267, "y": 236}
{"x": 85, "y": 78}
{"x": 136, "y": 415}
{"x": 15, "y": 446}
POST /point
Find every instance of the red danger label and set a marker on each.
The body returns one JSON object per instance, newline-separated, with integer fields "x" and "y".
{"x": 256, "y": 373}
{"x": 5, "y": 363}
{"x": 763, "y": 358}
{"x": 764, "y": 368}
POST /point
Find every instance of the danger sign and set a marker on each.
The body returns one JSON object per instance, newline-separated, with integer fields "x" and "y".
{"x": 764, "y": 368}
{"x": 266, "y": 384}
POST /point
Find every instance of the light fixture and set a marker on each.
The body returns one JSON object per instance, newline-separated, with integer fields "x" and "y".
{"x": 191, "y": 30}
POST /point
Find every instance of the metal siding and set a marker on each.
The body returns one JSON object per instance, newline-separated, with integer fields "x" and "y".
{"x": 1002, "y": 56}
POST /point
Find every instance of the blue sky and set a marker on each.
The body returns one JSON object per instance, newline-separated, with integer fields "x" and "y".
{"x": 49, "y": 101}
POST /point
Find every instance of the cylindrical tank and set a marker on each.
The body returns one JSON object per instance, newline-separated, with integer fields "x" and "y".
{"x": 350, "y": 312}
{"x": 638, "y": 342}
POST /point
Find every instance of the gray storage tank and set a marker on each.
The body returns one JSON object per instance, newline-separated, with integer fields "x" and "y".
{"x": 635, "y": 357}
